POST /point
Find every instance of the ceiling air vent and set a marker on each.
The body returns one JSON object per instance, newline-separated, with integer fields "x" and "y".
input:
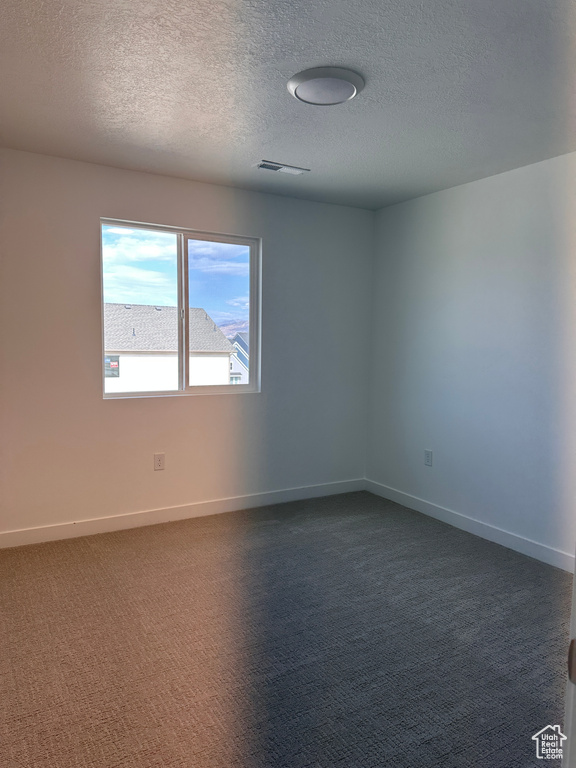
{"x": 269, "y": 165}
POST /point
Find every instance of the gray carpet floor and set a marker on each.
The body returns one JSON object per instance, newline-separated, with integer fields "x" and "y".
{"x": 339, "y": 632}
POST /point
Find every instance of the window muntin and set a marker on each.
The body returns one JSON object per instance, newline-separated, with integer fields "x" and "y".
{"x": 174, "y": 301}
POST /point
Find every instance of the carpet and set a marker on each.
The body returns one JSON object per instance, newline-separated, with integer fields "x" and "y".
{"x": 343, "y": 632}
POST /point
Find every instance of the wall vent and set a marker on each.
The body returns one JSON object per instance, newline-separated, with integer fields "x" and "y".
{"x": 270, "y": 165}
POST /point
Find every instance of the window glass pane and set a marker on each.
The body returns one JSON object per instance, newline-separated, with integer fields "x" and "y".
{"x": 219, "y": 299}
{"x": 140, "y": 286}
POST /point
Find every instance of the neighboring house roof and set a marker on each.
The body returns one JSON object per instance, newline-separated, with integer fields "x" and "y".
{"x": 145, "y": 328}
{"x": 243, "y": 338}
{"x": 240, "y": 342}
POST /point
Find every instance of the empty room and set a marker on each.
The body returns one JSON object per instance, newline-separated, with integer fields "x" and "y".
{"x": 288, "y": 384}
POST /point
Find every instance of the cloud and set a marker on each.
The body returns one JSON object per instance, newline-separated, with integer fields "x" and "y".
{"x": 216, "y": 250}
{"x": 119, "y": 231}
{"x": 220, "y": 317}
{"x": 218, "y": 258}
{"x": 122, "y": 246}
{"x": 239, "y": 317}
{"x": 133, "y": 285}
{"x": 242, "y": 302}
{"x": 220, "y": 267}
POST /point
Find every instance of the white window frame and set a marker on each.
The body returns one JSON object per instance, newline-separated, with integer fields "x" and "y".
{"x": 183, "y": 235}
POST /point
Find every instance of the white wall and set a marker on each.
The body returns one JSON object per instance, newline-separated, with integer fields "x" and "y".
{"x": 474, "y": 352}
{"x": 69, "y": 455}
{"x": 209, "y": 369}
{"x": 143, "y": 373}
{"x": 151, "y": 372}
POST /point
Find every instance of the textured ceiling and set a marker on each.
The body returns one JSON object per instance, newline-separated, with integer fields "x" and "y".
{"x": 455, "y": 90}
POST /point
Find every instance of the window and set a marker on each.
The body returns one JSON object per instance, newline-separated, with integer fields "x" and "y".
{"x": 175, "y": 304}
{"x": 112, "y": 365}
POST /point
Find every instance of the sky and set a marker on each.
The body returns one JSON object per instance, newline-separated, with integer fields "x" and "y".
{"x": 140, "y": 267}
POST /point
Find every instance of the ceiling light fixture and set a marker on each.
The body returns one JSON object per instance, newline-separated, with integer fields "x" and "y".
{"x": 325, "y": 86}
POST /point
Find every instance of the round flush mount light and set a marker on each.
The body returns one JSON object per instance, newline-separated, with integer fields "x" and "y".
{"x": 325, "y": 86}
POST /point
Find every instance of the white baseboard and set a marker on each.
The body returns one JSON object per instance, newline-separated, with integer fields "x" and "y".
{"x": 507, "y": 539}
{"x": 71, "y": 530}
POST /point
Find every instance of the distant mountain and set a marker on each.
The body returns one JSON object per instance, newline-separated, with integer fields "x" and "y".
{"x": 230, "y": 329}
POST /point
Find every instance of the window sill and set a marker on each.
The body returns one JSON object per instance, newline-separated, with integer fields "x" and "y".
{"x": 234, "y": 389}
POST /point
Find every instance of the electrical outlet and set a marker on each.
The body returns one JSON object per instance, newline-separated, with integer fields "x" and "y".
{"x": 159, "y": 461}
{"x": 428, "y": 458}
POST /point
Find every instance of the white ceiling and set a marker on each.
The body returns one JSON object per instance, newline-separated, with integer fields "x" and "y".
{"x": 456, "y": 90}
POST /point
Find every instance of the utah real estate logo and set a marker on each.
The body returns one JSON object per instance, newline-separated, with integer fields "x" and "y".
{"x": 549, "y": 743}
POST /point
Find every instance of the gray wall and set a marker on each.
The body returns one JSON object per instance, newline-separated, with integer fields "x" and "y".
{"x": 69, "y": 455}
{"x": 473, "y": 352}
